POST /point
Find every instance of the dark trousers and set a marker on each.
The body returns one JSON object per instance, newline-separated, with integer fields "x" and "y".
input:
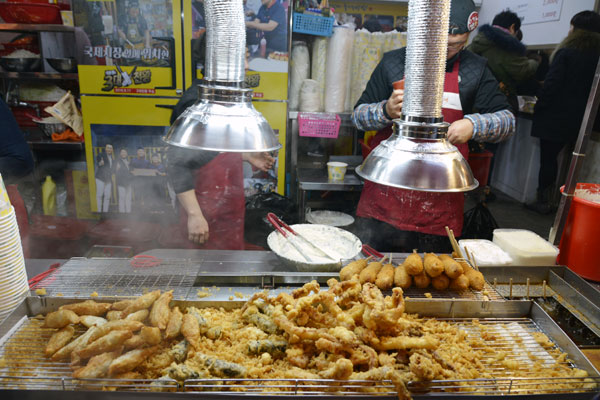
{"x": 549, "y": 151}
{"x": 385, "y": 238}
{"x": 14, "y": 168}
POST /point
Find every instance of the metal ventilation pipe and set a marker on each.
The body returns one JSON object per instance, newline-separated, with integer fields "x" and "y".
{"x": 223, "y": 118}
{"x": 418, "y": 155}
{"x": 425, "y": 65}
{"x": 225, "y": 41}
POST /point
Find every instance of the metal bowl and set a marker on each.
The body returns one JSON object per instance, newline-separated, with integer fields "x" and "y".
{"x": 335, "y": 235}
{"x": 20, "y": 64}
{"x": 51, "y": 127}
{"x": 64, "y": 65}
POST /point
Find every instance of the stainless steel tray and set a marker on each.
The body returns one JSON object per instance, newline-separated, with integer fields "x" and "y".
{"x": 24, "y": 372}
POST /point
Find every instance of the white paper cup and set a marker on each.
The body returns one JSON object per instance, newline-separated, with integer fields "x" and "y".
{"x": 8, "y": 236}
{"x": 8, "y": 214}
{"x": 7, "y": 283}
{"x": 9, "y": 264}
{"x": 9, "y": 247}
{"x": 336, "y": 170}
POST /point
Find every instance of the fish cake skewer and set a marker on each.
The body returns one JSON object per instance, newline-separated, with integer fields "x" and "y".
{"x": 369, "y": 274}
{"x": 452, "y": 268}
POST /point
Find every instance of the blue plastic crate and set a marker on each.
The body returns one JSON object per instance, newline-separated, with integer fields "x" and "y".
{"x": 313, "y": 24}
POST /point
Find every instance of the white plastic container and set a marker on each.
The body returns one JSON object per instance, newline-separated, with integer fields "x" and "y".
{"x": 485, "y": 252}
{"x": 526, "y": 247}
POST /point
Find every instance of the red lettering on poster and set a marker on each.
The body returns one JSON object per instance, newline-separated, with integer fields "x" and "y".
{"x": 258, "y": 95}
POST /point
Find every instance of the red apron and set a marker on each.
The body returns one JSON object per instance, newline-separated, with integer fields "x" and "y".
{"x": 417, "y": 211}
{"x": 219, "y": 187}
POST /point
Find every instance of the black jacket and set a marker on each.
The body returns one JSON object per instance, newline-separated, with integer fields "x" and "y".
{"x": 478, "y": 89}
{"x": 104, "y": 172}
{"x": 562, "y": 101}
{"x": 15, "y": 155}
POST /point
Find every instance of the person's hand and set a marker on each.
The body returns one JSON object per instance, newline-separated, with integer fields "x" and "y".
{"x": 393, "y": 107}
{"x": 460, "y": 131}
{"x": 197, "y": 229}
{"x": 263, "y": 161}
{"x": 101, "y": 162}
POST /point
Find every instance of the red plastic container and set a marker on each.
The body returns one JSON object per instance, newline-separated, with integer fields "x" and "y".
{"x": 30, "y": 13}
{"x": 581, "y": 237}
{"x": 480, "y": 165}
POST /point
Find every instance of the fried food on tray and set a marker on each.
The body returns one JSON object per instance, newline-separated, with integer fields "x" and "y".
{"x": 440, "y": 282}
{"x": 433, "y": 265}
{"x": 385, "y": 277}
{"x": 414, "y": 264}
{"x": 121, "y": 305}
{"x": 476, "y": 280}
{"x": 422, "y": 281}
{"x": 139, "y": 316}
{"x": 91, "y": 320}
{"x": 128, "y": 361}
{"x": 59, "y": 339}
{"x": 60, "y": 319}
{"x": 174, "y": 324}
{"x": 141, "y": 303}
{"x": 109, "y": 342}
{"x": 451, "y": 267}
{"x": 88, "y": 307}
{"x": 114, "y": 315}
{"x": 347, "y": 331}
{"x": 401, "y": 278}
{"x": 159, "y": 316}
{"x": 97, "y": 367}
{"x": 460, "y": 283}
{"x": 353, "y": 268}
{"x": 123, "y": 324}
{"x": 369, "y": 274}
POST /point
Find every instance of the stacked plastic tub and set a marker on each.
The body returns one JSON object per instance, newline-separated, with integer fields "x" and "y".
{"x": 13, "y": 278}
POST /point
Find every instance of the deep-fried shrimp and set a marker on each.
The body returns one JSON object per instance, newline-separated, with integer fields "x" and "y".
{"x": 406, "y": 342}
{"x": 140, "y": 303}
{"x": 379, "y": 313}
{"x": 123, "y": 324}
{"x": 130, "y": 360}
{"x": 341, "y": 369}
{"x": 346, "y": 291}
{"x": 174, "y": 324}
{"x": 75, "y": 345}
{"x": 159, "y": 316}
{"x": 58, "y": 340}
{"x": 109, "y": 342}
{"x": 88, "y": 307}
{"x": 60, "y": 319}
{"x": 97, "y": 366}
{"x": 190, "y": 329}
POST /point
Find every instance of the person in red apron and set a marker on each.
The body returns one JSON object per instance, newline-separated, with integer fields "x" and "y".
{"x": 210, "y": 189}
{"x": 393, "y": 219}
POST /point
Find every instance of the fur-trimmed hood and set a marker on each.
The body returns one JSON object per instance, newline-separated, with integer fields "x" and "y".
{"x": 581, "y": 40}
{"x": 489, "y": 36}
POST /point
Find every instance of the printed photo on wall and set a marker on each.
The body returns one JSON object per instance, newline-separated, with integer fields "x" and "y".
{"x": 130, "y": 170}
{"x": 266, "y": 34}
{"x": 125, "y": 32}
{"x": 258, "y": 181}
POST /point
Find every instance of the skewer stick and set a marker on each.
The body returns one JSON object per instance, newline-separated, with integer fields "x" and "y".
{"x": 390, "y": 258}
{"x": 454, "y": 243}
{"x": 527, "y": 288}
{"x": 510, "y": 288}
{"x": 544, "y": 288}
{"x": 472, "y": 258}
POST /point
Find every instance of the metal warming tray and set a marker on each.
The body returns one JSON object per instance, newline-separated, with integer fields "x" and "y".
{"x": 25, "y": 373}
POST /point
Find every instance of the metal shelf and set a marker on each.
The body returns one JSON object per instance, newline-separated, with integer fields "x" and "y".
{"x": 53, "y": 76}
{"x": 36, "y": 28}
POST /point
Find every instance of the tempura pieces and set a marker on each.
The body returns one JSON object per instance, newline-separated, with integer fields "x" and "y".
{"x": 433, "y": 265}
{"x": 88, "y": 307}
{"x": 139, "y": 316}
{"x": 90, "y": 320}
{"x": 142, "y": 302}
{"x": 476, "y": 280}
{"x": 150, "y": 335}
{"x": 353, "y": 268}
{"x": 174, "y": 324}
{"x": 109, "y": 342}
{"x": 121, "y": 305}
{"x": 190, "y": 328}
{"x": 159, "y": 316}
{"x": 369, "y": 274}
{"x": 385, "y": 277}
{"x": 110, "y": 326}
{"x": 75, "y": 345}
{"x": 451, "y": 267}
{"x": 128, "y": 361}
{"x": 413, "y": 264}
{"x": 58, "y": 340}
{"x": 60, "y": 319}
{"x": 97, "y": 366}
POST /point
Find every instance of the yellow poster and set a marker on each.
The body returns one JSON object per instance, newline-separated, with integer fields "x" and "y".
{"x": 83, "y": 207}
{"x": 136, "y": 80}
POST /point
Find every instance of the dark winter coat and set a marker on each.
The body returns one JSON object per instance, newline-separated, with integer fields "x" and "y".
{"x": 562, "y": 101}
{"x": 478, "y": 89}
{"x": 506, "y": 57}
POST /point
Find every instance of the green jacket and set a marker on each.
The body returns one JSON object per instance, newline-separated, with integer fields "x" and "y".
{"x": 506, "y": 57}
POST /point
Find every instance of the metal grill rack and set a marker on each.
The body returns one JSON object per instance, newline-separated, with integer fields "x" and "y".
{"x": 23, "y": 366}
{"x": 82, "y": 278}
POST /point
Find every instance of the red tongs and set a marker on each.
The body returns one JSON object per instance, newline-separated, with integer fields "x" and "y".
{"x": 368, "y": 250}
{"x": 292, "y": 237}
{"x": 33, "y": 282}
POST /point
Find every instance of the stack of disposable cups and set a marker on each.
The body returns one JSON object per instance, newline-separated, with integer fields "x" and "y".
{"x": 13, "y": 278}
